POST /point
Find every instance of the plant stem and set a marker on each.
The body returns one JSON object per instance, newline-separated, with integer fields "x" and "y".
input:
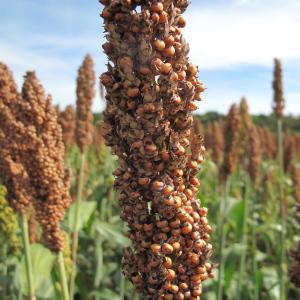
{"x": 122, "y": 287}
{"x": 282, "y": 211}
{"x": 244, "y": 238}
{"x": 99, "y": 266}
{"x": 76, "y": 223}
{"x": 28, "y": 263}
{"x": 222, "y": 239}
{"x": 63, "y": 277}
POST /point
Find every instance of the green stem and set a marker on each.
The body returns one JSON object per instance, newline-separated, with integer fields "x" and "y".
{"x": 282, "y": 211}
{"x": 244, "y": 238}
{"x": 254, "y": 249}
{"x": 122, "y": 287}
{"x": 76, "y": 223}
{"x": 28, "y": 263}
{"x": 222, "y": 240}
{"x": 99, "y": 266}
{"x": 63, "y": 277}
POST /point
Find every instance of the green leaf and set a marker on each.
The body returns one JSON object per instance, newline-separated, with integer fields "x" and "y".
{"x": 112, "y": 233}
{"x": 86, "y": 210}
{"x": 42, "y": 263}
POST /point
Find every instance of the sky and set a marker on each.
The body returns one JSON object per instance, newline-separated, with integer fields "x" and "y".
{"x": 233, "y": 42}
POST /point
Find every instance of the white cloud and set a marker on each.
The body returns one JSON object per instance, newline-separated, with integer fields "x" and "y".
{"x": 254, "y": 33}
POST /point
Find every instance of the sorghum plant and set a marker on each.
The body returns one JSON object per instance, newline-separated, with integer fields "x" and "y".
{"x": 246, "y": 124}
{"x": 151, "y": 92}
{"x": 31, "y": 161}
{"x": 278, "y": 108}
{"x": 295, "y": 266}
{"x": 85, "y": 92}
{"x": 255, "y": 152}
{"x": 279, "y": 101}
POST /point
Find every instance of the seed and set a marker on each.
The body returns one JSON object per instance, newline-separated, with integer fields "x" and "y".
{"x": 106, "y": 13}
{"x": 176, "y": 232}
{"x": 169, "y": 201}
{"x": 157, "y": 185}
{"x": 181, "y": 22}
{"x": 165, "y": 68}
{"x": 155, "y": 17}
{"x": 163, "y": 18}
{"x": 150, "y": 148}
{"x": 167, "y": 248}
{"x": 169, "y": 52}
{"x": 161, "y": 224}
{"x": 177, "y": 201}
{"x": 180, "y": 150}
{"x": 192, "y": 70}
{"x": 156, "y": 248}
{"x": 197, "y": 292}
{"x": 192, "y": 106}
{"x": 176, "y": 246}
{"x": 145, "y": 70}
{"x": 195, "y": 181}
{"x": 203, "y": 211}
{"x": 175, "y": 223}
{"x": 174, "y": 76}
{"x": 159, "y": 45}
{"x": 168, "y": 262}
{"x": 144, "y": 180}
{"x": 165, "y": 155}
{"x": 174, "y": 288}
{"x": 181, "y": 75}
{"x": 171, "y": 275}
{"x": 157, "y": 7}
{"x": 179, "y": 296}
{"x": 167, "y": 191}
{"x": 201, "y": 88}
{"x": 157, "y": 63}
{"x": 169, "y": 40}
{"x": 106, "y": 80}
{"x": 126, "y": 62}
{"x": 133, "y": 92}
{"x": 187, "y": 228}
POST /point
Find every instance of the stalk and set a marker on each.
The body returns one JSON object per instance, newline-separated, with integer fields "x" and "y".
{"x": 75, "y": 230}
{"x": 244, "y": 238}
{"x": 99, "y": 266}
{"x": 28, "y": 262}
{"x": 282, "y": 212}
{"x": 254, "y": 247}
{"x": 122, "y": 287}
{"x": 63, "y": 277}
{"x": 222, "y": 239}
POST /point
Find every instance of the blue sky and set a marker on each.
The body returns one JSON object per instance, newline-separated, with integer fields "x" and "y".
{"x": 232, "y": 41}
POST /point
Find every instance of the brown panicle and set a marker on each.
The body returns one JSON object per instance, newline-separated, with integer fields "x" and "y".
{"x": 246, "y": 124}
{"x": 45, "y": 162}
{"x": 67, "y": 121}
{"x": 279, "y": 102}
{"x": 217, "y": 142}
{"x": 14, "y": 139}
{"x": 255, "y": 154}
{"x": 85, "y": 93}
{"x": 152, "y": 90}
{"x": 289, "y": 148}
{"x": 232, "y": 135}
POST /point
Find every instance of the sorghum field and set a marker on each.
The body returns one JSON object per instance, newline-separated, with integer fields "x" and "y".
{"x": 148, "y": 199}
